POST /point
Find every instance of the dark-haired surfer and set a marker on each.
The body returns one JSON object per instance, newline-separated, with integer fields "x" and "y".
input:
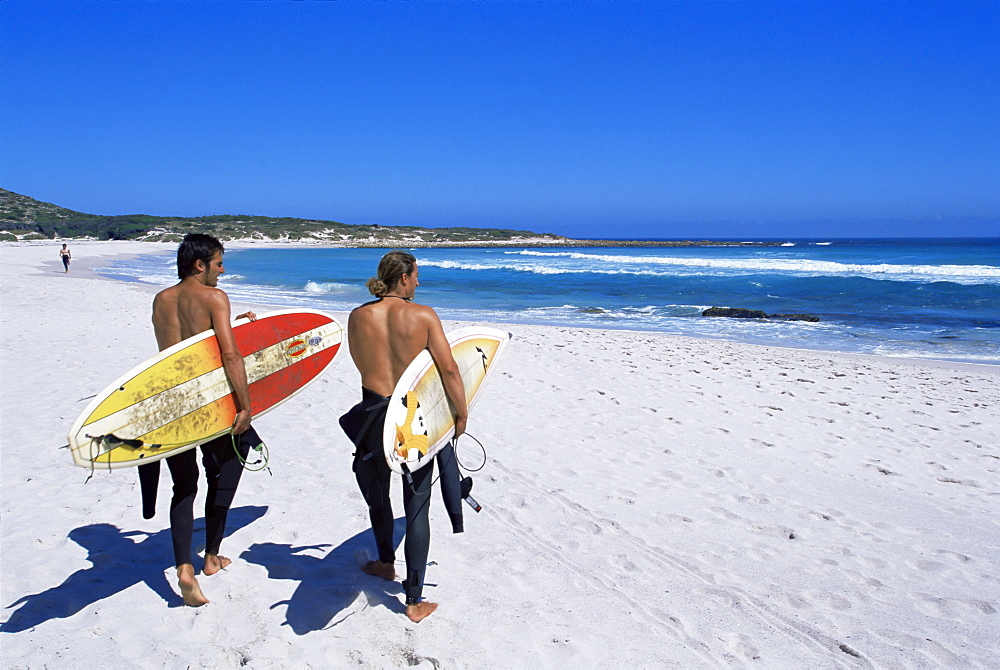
{"x": 385, "y": 335}
{"x": 188, "y": 308}
{"x": 66, "y": 256}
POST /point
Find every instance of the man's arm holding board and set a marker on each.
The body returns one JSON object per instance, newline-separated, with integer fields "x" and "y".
{"x": 454, "y": 387}
{"x": 232, "y": 359}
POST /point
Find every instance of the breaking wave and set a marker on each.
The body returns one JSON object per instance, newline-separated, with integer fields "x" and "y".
{"x": 985, "y": 274}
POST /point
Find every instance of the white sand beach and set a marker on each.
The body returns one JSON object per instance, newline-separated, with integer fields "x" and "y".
{"x": 649, "y": 501}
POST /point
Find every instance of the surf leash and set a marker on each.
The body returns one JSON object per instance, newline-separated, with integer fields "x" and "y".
{"x": 481, "y": 447}
{"x": 263, "y": 455}
{"x": 466, "y": 482}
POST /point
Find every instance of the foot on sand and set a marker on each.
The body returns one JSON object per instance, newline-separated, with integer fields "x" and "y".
{"x": 214, "y": 563}
{"x": 386, "y": 571}
{"x": 420, "y": 611}
{"x": 190, "y": 590}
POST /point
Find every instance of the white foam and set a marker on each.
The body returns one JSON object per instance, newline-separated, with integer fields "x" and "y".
{"x": 986, "y": 274}
{"x": 329, "y": 287}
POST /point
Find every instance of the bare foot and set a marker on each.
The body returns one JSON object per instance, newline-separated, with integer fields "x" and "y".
{"x": 190, "y": 590}
{"x": 386, "y": 571}
{"x": 214, "y": 563}
{"x": 420, "y": 611}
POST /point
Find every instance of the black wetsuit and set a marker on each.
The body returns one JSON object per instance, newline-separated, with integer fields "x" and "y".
{"x": 364, "y": 424}
{"x": 222, "y": 470}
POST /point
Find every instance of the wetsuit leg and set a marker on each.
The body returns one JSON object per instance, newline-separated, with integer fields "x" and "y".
{"x": 416, "y": 498}
{"x": 223, "y": 471}
{"x": 373, "y": 477}
{"x": 184, "y": 473}
{"x": 149, "y": 480}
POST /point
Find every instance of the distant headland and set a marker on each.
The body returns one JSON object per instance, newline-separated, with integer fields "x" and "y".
{"x": 24, "y": 218}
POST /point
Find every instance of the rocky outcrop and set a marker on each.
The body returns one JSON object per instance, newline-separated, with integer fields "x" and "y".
{"x": 735, "y": 313}
{"x": 743, "y": 313}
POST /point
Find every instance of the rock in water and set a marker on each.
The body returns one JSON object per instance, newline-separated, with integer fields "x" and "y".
{"x": 735, "y": 312}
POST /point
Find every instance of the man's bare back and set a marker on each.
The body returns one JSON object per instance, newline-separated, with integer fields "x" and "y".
{"x": 183, "y": 311}
{"x": 385, "y": 336}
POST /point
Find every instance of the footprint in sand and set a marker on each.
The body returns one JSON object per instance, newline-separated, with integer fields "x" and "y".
{"x": 951, "y": 608}
{"x": 622, "y": 562}
{"x": 724, "y": 513}
{"x": 926, "y": 566}
{"x": 961, "y": 558}
{"x": 740, "y": 646}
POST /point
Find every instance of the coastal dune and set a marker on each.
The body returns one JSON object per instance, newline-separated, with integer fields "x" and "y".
{"x": 649, "y": 501}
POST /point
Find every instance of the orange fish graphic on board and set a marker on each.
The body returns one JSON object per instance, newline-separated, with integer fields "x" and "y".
{"x": 406, "y": 438}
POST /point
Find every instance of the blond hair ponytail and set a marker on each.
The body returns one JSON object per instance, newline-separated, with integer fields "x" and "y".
{"x": 391, "y": 269}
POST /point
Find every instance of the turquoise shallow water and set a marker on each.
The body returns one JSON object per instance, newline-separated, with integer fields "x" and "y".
{"x": 926, "y": 298}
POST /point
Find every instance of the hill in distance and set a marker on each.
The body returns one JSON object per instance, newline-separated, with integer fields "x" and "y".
{"x": 24, "y": 218}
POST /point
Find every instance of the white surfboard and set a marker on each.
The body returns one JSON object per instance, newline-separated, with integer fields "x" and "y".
{"x": 420, "y": 421}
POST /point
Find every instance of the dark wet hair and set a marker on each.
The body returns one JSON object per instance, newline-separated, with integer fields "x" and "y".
{"x": 391, "y": 269}
{"x": 196, "y": 247}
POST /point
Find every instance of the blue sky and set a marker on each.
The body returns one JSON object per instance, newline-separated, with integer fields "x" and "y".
{"x": 589, "y": 119}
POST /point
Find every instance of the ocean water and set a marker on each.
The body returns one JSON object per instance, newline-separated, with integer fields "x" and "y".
{"x": 920, "y": 298}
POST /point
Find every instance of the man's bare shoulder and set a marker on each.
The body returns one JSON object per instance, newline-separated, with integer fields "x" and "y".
{"x": 215, "y": 294}
{"x": 423, "y": 311}
{"x": 417, "y": 308}
{"x": 192, "y": 290}
{"x": 419, "y": 314}
{"x": 361, "y": 309}
{"x": 204, "y": 296}
{"x": 169, "y": 293}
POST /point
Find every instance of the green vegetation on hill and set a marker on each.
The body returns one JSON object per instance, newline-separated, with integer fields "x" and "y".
{"x": 22, "y": 217}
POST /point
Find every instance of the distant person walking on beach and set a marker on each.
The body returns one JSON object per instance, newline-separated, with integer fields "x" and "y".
{"x": 193, "y": 306}
{"x": 66, "y": 256}
{"x": 385, "y": 335}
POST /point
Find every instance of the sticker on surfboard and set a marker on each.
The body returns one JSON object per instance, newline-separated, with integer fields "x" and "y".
{"x": 419, "y": 420}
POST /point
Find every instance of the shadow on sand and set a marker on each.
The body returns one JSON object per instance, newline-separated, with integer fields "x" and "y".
{"x": 119, "y": 562}
{"x": 328, "y": 585}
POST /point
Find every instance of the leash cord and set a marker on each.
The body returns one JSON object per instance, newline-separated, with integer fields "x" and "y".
{"x": 262, "y": 451}
{"x": 408, "y": 477}
{"x": 481, "y": 447}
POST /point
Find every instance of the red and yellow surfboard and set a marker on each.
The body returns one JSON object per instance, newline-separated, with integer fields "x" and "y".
{"x": 181, "y": 397}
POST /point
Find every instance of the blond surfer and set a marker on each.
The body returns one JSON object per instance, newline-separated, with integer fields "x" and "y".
{"x": 188, "y": 308}
{"x": 384, "y": 336}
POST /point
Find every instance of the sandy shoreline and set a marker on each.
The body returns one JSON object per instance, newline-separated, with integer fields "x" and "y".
{"x": 650, "y": 500}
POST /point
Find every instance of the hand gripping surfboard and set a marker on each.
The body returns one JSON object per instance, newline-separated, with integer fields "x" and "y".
{"x": 419, "y": 421}
{"x": 181, "y": 397}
